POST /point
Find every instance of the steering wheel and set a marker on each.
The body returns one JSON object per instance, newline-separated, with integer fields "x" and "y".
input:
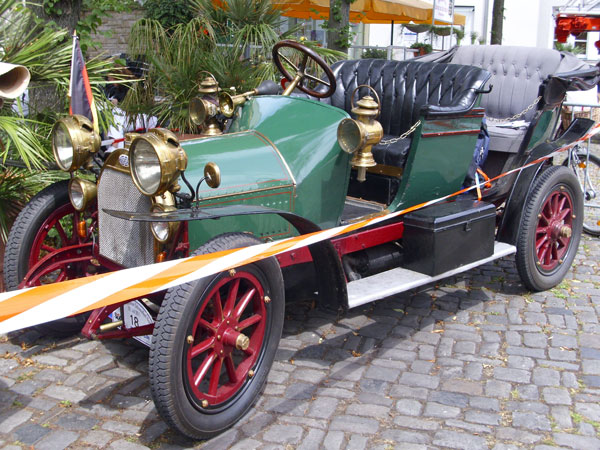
{"x": 301, "y": 74}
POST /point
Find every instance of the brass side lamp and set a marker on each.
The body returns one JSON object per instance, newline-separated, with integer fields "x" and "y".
{"x": 360, "y": 134}
{"x": 203, "y": 109}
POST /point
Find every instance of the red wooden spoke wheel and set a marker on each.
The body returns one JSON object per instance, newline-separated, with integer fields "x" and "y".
{"x": 214, "y": 342}
{"x": 554, "y": 229}
{"x": 226, "y": 338}
{"x": 44, "y": 246}
{"x": 550, "y": 228}
{"x": 58, "y": 251}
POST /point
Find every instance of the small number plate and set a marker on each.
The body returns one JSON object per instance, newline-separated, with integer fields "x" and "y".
{"x": 136, "y": 315}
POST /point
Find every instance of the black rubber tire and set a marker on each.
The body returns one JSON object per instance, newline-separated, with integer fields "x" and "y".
{"x": 176, "y": 316}
{"x": 551, "y": 180}
{"x": 590, "y": 226}
{"x": 18, "y": 247}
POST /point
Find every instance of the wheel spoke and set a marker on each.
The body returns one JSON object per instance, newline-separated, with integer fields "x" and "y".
{"x": 202, "y": 347}
{"x": 244, "y": 303}
{"x": 48, "y": 248}
{"x": 218, "y": 306}
{"x": 207, "y": 326}
{"x": 317, "y": 80}
{"x": 214, "y": 377}
{"x": 541, "y": 242}
{"x": 231, "y": 296}
{"x": 249, "y": 321}
{"x": 230, "y": 367}
{"x": 249, "y": 351}
{"x": 564, "y": 213}
{"x": 61, "y": 233}
{"x": 204, "y": 367}
{"x": 287, "y": 60}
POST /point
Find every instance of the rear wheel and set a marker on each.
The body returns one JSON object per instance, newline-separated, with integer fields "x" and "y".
{"x": 587, "y": 171}
{"x": 44, "y": 238}
{"x": 550, "y": 229}
{"x": 214, "y": 342}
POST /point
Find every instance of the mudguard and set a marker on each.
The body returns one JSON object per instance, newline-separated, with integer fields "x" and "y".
{"x": 331, "y": 281}
{"x": 515, "y": 203}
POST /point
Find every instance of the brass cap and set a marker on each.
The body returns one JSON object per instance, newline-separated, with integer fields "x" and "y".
{"x": 242, "y": 342}
{"x": 367, "y": 107}
{"x": 209, "y": 86}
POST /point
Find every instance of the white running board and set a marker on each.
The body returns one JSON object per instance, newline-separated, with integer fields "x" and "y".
{"x": 398, "y": 280}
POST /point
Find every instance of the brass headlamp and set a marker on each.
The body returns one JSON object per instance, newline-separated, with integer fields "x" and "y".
{"x": 81, "y": 193}
{"x": 156, "y": 161}
{"x": 73, "y": 142}
{"x": 361, "y": 134}
{"x": 164, "y": 231}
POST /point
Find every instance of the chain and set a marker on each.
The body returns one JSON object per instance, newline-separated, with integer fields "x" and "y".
{"x": 516, "y": 116}
{"x": 402, "y": 136}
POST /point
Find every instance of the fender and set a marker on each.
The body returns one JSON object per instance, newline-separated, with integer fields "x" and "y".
{"x": 515, "y": 203}
{"x": 331, "y": 280}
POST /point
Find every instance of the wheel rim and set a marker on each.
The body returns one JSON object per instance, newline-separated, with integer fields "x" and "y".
{"x": 58, "y": 233}
{"x": 554, "y": 229}
{"x": 226, "y": 339}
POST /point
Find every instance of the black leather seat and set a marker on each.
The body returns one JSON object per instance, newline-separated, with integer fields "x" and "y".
{"x": 407, "y": 89}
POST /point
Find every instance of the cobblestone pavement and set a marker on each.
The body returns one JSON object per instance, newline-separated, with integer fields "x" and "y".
{"x": 475, "y": 362}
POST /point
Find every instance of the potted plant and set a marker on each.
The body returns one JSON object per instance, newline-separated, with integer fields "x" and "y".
{"x": 422, "y": 47}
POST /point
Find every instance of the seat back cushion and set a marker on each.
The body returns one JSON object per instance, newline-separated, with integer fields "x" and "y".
{"x": 517, "y": 73}
{"x": 404, "y": 87}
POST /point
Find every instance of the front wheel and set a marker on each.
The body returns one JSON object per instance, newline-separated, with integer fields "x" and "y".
{"x": 550, "y": 229}
{"x": 44, "y": 247}
{"x": 214, "y": 342}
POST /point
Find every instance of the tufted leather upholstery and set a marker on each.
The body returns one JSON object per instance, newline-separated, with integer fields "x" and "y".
{"x": 407, "y": 89}
{"x": 517, "y": 73}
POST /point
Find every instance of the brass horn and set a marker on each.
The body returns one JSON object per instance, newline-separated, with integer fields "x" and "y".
{"x": 228, "y": 103}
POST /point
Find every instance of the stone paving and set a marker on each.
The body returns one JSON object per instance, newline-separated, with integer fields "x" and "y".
{"x": 475, "y": 362}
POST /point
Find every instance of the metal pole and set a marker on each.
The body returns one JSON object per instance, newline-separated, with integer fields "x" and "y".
{"x": 392, "y": 36}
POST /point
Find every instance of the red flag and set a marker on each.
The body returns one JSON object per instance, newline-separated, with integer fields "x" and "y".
{"x": 80, "y": 91}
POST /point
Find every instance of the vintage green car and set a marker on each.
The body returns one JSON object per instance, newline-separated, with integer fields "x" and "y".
{"x": 268, "y": 166}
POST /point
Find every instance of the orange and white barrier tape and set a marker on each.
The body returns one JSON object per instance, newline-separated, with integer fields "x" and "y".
{"x": 32, "y": 306}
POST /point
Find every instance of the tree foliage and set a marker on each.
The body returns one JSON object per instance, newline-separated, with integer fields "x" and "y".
{"x": 169, "y": 12}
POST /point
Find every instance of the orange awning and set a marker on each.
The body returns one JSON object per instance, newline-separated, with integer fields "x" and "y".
{"x": 367, "y": 11}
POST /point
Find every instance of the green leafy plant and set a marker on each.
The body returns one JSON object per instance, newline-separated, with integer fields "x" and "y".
{"x": 169, "y": 12}
{"x": 374, "y": 53}
{"x": 568, "y": 48}
{"x": 474, "y": 35}
{"x": 88, "y": 23}
{"x": 426, "y": 48}
{"x": 24, "y": 141}
{"x": 232, "y": 40}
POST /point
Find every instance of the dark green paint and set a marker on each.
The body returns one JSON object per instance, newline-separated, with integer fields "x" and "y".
{"x": 436, "y": 166}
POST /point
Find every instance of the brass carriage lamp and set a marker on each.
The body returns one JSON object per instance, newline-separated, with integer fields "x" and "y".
{"x": 360, "y": 134}
{"x": 203, "y": 109}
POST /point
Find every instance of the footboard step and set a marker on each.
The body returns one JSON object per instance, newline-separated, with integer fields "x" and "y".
{"x": 398, "y": 280}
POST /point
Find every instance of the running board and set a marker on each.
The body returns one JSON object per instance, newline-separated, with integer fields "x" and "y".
{"x": 399, "y": 280}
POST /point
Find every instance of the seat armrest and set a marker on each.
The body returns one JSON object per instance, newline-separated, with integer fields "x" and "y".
{"x": 459, "y": 107}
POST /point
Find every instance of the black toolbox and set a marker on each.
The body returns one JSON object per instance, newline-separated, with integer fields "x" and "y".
{"x": 445, "y": 236}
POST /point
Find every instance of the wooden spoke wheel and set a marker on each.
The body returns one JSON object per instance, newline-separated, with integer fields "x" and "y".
{"x": 550, "y": 229}
{"x": 214, "y": 342}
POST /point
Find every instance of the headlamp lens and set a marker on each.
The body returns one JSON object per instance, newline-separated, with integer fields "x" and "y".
{"x": 146, "y": 167}
{"x": 62, "y": 145}
{"x": 77, "y": 197}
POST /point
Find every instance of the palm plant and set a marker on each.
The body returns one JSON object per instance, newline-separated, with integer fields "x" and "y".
{"x": 46, "y": 52}
{"x": 231, "y": 39}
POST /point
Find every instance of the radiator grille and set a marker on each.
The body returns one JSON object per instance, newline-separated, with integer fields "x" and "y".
{"x": 123, "y": 241}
